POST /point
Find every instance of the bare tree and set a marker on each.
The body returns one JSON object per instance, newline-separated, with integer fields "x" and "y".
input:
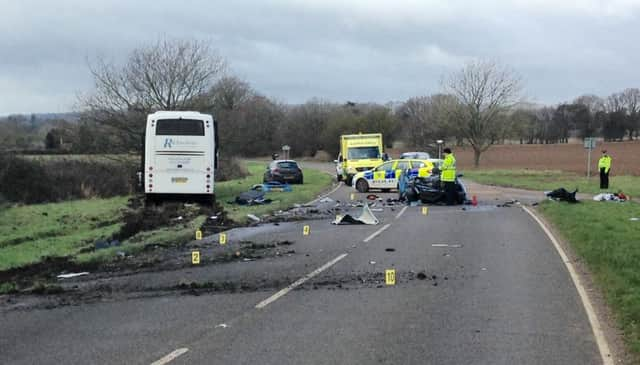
{"x": 230, "y": 92}
{"x": 424, "y": 119}
{"x": 484, "y": 90}
{"x": 167, "y": 75}
{"x": 593, "y": 102}
{"x": 631, "y": 101}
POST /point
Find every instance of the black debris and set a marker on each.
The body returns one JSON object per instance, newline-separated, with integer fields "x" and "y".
{"x": 563, "y": 195}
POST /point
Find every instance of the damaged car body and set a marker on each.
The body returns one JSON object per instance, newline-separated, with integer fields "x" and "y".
{"x": 428, "y": 190}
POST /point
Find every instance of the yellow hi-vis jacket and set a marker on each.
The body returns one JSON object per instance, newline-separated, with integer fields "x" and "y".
{"x": 605, "y": 163}
{"x": 448, "y": 169}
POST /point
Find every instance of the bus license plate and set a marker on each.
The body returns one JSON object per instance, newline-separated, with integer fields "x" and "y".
{"x": 179, "y": 180}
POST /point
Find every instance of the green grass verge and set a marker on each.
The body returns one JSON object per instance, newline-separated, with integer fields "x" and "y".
{"x": 549, "y": 180}
{"x": 604, "y": 237}
{"x": 314, "y": 183}
{"x": 29, "y": 233}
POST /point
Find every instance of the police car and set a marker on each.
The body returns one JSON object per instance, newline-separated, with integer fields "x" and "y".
{"x": 386, "y": 176}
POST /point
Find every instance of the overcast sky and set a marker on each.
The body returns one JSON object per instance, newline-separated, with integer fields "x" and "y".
{"x": 369, "y": 50}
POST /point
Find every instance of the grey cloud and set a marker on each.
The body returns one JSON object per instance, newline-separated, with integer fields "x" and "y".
{"x": 360, "y": 50}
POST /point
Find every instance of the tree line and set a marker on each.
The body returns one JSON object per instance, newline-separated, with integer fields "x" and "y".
{"x": 479, "y": 105}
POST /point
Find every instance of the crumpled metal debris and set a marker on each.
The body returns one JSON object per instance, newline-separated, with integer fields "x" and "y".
{"x": 365, "y": 217}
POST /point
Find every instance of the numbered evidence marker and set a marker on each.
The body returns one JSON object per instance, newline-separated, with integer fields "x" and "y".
{"x": 425, "y": 210}
{"x": 195, "y": 257}
{"x": 306, "y": 230}
{"x": 222, "y": 238}
{"x": 198, "y": 234}
{"x": 353, "y": 196}
{"x": 390, "y": 277}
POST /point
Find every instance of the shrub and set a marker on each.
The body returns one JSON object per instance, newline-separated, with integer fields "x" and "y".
{"x": 230, "y": 169}
{"x": 39, "y": 181}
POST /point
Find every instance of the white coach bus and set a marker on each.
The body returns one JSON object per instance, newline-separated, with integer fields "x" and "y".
{"x": 180, "y": 156}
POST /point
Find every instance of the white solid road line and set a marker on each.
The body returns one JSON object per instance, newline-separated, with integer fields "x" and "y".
{"x": 401, "y": 212}
{"x": 374, "y": 234}
{"x": 299, "y": 282}
{"x": 327, "y": 194}
{"x": 170, "y": 357}
{"x": 603, "y": 346}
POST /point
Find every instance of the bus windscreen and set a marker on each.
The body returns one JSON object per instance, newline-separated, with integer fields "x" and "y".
{"x": 179, "y": 127}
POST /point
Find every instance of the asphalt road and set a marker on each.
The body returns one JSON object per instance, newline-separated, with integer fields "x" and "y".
{"x": 476, "y": 286}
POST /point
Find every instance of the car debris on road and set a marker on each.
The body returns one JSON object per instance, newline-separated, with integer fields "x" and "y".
{"x": 365, "y": 217}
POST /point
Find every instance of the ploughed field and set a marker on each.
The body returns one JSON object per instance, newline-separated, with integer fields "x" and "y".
{"x": 566, "y": 157}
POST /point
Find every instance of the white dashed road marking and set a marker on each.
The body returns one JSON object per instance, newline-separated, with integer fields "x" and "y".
{"x": 374, "y": 234}
{"x": 299, "y": 282}
{"x": 170, "y": 357}
{"x": 401, "y": 212}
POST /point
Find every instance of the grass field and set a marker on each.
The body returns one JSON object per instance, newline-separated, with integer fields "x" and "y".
{"x": 314, "y": 183}
{"x": 549, "y": 180}
{"x": 604, "y": 237}
{"x": 29, "y": 233}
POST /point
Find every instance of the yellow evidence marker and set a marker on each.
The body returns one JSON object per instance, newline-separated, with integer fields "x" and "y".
{"x": 353, "y": 196}
{"x": 306, "y": 230}
{"x": 195, "y": 257}
{"x": 223, "y": 238}
{"x": 198, "y": 234}
{"x": 425, "y": 210}
{"x": 390, "y": 277}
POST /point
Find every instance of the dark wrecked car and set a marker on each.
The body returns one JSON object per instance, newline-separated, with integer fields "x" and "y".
{"x": 429, "y": 190}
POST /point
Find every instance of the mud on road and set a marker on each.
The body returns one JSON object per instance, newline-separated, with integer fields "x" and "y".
{"x": 126, "y": 276}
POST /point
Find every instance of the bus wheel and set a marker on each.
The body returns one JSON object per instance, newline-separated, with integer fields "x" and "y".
{"x": 210, "y": 201}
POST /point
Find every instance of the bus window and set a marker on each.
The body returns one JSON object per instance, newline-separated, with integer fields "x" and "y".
{"x": 179, "y": 127}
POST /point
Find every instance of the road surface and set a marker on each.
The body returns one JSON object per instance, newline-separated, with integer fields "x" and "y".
{"x": 477, "y": 286}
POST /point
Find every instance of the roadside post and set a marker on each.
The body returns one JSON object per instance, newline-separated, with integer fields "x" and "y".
{"x": 439, "y": 142}
{"x": 589, "y": 145}
{"x": 285, "y": 151}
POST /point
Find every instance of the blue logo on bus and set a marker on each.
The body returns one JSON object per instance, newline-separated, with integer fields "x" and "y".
{"x": 168, "y": 142}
